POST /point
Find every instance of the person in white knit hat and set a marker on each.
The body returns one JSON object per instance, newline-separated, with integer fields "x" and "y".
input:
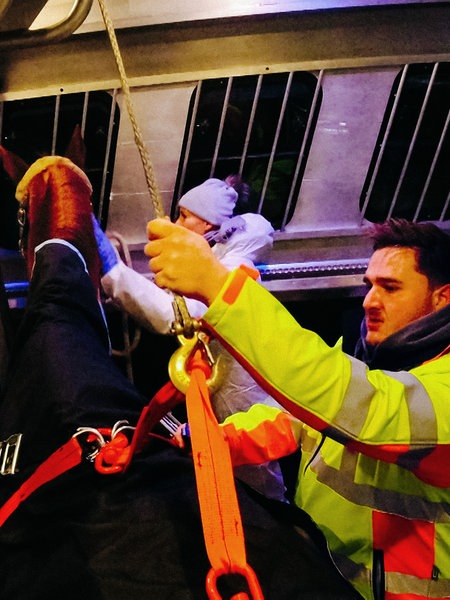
{"x": 207, "y": 209}
{"x": 212, "y": 202}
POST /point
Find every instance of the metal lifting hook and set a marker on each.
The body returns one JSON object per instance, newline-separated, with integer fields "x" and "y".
{"x": 180, "y": 358}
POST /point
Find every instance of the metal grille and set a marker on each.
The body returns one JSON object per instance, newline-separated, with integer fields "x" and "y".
{"x": 409, "y": 175}
{"x": 44, "y": 126}
{"x": 258, "y": 127}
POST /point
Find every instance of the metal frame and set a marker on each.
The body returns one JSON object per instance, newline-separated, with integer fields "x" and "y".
{"x": 25, "y": 38}
{"x": 174, "y": 53}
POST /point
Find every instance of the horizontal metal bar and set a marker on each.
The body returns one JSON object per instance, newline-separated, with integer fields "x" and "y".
{"x": 163, "y": 54}
{"x": 26, "y": 38}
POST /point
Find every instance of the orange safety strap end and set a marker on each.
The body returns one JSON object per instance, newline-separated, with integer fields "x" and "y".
{"x": 219, "y": 507}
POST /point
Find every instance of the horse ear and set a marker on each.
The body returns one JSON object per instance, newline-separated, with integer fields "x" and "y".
{"x": 76, "y": 150}
{"x": 13, "y": 165}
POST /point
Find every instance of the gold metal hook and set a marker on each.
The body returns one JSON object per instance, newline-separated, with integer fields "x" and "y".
{"x": 180, "y": 358}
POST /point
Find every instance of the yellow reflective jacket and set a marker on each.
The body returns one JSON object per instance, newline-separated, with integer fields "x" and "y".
{"x": 375, "y": 467}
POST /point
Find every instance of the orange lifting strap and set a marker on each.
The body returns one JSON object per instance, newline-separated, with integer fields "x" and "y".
{"x": 219, "y": 508}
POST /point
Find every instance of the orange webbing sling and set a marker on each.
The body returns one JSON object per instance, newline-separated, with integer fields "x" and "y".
{"x": 219, "y": 508}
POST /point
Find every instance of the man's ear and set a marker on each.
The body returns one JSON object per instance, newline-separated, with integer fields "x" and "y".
{"x": 441, "y": 296}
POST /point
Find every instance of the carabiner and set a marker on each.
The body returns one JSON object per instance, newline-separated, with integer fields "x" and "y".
{"x": 179, "y": 360}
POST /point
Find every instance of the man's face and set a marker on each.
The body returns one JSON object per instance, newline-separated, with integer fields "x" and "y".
{"x": 192, "y": 222}
{"x": 397, "y": 293}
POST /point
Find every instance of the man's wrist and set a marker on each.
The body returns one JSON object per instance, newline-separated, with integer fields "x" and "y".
{"x": 214, "y": 282}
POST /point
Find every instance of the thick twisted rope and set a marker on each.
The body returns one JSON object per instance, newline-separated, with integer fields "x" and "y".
{"x": 182, "y": 314}
{"x": 145, "y": 157}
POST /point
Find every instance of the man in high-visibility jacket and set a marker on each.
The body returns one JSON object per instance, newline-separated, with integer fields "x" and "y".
{"x": 374, "y": 430}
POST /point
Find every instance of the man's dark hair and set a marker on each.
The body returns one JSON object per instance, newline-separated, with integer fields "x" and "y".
{"x": 431, "y": 244}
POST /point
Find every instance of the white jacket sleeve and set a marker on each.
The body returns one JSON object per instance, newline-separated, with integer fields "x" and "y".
{"x": 143, "y": 300}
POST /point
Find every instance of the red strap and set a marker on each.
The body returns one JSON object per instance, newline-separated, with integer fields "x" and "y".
{"x": 64, "y": 459}
{"x": 161, "y": 403}
{"x": 222, "y": 525}
{"x": 70, "y": 455}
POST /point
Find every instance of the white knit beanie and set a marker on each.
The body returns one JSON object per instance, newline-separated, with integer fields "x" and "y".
{"x": 213, "y": 200}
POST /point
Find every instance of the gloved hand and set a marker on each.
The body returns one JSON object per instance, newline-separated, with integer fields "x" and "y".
{"x": 106, "y": 250}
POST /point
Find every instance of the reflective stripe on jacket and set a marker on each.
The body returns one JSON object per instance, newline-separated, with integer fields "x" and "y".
{"x": 374, "y": 472}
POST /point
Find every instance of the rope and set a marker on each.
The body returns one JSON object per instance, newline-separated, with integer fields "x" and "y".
{"x": 145, "y": 157}
{"x": 182, "y": 313}
{"x": 129, "y": 346}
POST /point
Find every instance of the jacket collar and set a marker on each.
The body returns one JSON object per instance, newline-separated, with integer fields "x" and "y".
{"x": 413, "y": 345}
